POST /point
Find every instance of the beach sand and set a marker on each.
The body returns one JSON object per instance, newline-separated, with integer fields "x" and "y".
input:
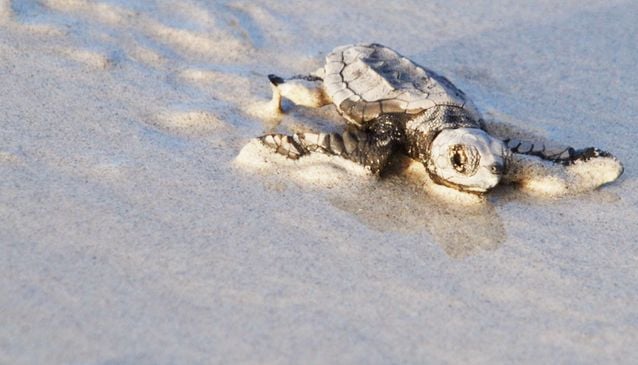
{"x": 129, "y": 234}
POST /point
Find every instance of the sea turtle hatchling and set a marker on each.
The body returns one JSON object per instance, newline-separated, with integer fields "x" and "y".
{"x": 392, "y": 105}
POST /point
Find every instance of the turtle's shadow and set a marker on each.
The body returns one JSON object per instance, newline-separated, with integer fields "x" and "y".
{"x": 392, "y": 205}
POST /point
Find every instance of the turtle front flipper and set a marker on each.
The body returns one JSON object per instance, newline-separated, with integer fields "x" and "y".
{"x": 304, "y": 90}
{"x": 563, "y": 155}
{"x": 560, "y": 170}
{"x": 371, "y": 148}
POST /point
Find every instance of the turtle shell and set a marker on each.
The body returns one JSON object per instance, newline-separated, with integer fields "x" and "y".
{"x": 367, "y": 80}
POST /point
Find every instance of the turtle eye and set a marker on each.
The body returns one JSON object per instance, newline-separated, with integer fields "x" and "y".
{"x": 458, "y": 158}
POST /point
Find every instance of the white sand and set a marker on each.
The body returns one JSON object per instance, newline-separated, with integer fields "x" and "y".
{"x": 129, "y": 236}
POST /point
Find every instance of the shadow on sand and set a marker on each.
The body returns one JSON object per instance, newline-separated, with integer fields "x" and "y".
{"x": 395, "y": 205}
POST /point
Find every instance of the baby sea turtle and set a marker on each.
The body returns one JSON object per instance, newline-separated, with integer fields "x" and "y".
{"x": 393, "y": 105}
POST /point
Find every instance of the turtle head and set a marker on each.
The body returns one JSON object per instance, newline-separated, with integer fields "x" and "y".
{"x": 467, "y": 159}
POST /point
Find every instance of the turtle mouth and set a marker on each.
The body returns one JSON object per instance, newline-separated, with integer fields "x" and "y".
{"x": 476, "y": 190}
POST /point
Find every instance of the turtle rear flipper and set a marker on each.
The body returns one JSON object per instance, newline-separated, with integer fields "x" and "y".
{"x": 303, "y": 90}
